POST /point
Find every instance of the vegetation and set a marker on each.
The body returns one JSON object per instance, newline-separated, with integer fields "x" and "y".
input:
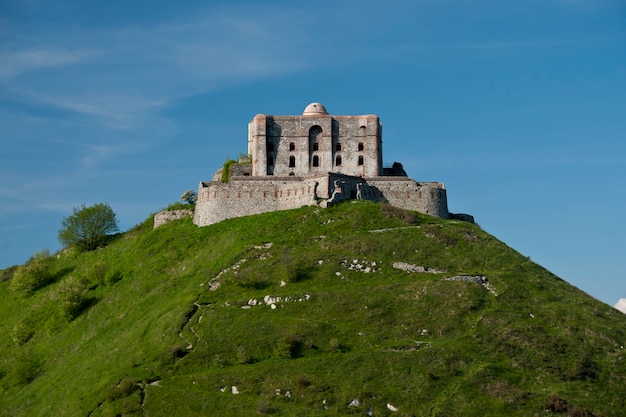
{"x": 87, "y": 228}
{"x": 302, "y": 313}
{"x": 190, "y": 197}
{"x": 226, "y": 169}
{"x": 34, "y": 274}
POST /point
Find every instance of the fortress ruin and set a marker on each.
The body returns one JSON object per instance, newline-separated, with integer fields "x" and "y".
{"x": 313, "y": 159}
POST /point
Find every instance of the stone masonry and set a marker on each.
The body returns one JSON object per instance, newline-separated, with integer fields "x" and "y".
{"x": 313, "y": 159}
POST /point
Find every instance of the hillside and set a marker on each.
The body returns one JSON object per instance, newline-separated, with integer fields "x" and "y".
{"x": 359, "y": 309}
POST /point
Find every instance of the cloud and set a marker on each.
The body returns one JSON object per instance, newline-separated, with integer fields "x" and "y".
{"x": 120, "y": 76}
{"x": 621, "y": 305}
{"x": 14, "y": 64}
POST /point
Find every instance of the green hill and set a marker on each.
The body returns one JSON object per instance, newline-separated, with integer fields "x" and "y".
{"x": 359, "y": 309}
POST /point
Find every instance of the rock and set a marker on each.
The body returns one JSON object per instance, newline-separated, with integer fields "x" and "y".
{"x": 391, "y": 407}
{"x": 234, "y": 390}
{"x": 354, "y": 403}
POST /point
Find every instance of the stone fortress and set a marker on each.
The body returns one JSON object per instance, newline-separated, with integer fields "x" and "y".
{"x": 314, "y": 159}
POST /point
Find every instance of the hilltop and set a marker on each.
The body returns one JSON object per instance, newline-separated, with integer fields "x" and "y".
{"x": 358, "y": 309}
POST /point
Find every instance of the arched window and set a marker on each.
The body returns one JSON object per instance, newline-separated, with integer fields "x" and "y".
{"x": 361, "y": 146}
{"x": 360, "y": 159}
{"x": 338, "y": 160}
{"x": 292, "y": 146}
{"x": 315, "y": 136}
{"x": 316, "y": 161}
{"x": 292, "y": 161}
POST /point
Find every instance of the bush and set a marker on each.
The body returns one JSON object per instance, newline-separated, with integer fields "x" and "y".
{"x": 88, "y": 227}
{"x": 123, "y": 389}
{"x": 112, "y": 276}
{"x": 25, "y": 368}
{"x": 226, "y": 170}
{"x": 22, "y": 332}
{"x": 34, "y": 274}
{"x": 290, "y": 347}
{"x": 71, "y": 296}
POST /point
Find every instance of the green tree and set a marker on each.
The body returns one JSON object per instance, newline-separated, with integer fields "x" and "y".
{"x": 189, "y": 196}
{"x": 88, "y": 227}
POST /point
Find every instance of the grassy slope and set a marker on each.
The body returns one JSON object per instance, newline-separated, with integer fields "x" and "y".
{"x": 425, "y": 345}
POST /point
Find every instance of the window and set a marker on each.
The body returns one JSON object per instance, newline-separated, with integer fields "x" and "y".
{"x": 338, "y": 147}
{"x": 292, "y": 161}
{"x": 270, "y": 147}
{"x": 315, "y": 135}
{"x": 361, "y": 146}
{"x": 292, "y": 146}
{"x": 316, "y": 161}
{"x": 270, "y": 160}
{"x": 338, "y": 160}
{"x": 360, "y": 159}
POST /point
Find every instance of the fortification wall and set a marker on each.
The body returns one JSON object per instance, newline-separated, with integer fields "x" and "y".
{"x": 425, "y": 197}
{"x": 244, "y": 196}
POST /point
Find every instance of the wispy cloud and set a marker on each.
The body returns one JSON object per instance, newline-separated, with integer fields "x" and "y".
{"x": 15, "y": 63}
{"x": 119, "y": 76}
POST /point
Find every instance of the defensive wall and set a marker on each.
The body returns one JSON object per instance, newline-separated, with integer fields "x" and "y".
{"x": 244, "y": 196}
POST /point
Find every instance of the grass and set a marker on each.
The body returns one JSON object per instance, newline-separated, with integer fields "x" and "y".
{"x": 336, "y": 333}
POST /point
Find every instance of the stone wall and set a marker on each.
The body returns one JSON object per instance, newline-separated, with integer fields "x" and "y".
{"x": 424, "y": 197}
{"x": 165, "y": 216}
{"x": 306, "y": 145}
{"x": 244, "y": 196}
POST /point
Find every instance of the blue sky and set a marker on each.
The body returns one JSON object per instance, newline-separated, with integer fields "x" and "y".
{"x": 518, "y": 106}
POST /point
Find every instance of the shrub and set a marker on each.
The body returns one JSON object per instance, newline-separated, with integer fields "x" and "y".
{"x": 226, "y": 170}
{"x": 112, "y": 276}
{"x": 88, "y": 227}
{"x": 34, "y": 274}
{"x": 22, "y": 332}
{"x": 122, "y": 389}
{"x": 71, "y": 296}
{"x": 98, "y": 272}
{"x": 290, "y": 347}
{"x": 25, "y": 368}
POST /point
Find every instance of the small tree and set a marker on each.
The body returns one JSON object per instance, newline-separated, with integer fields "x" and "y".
{"x": 88, "y": 227}
{"x": 189, "y": 196}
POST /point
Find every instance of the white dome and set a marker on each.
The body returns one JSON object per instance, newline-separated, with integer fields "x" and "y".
{"x": 315, "y": 109}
